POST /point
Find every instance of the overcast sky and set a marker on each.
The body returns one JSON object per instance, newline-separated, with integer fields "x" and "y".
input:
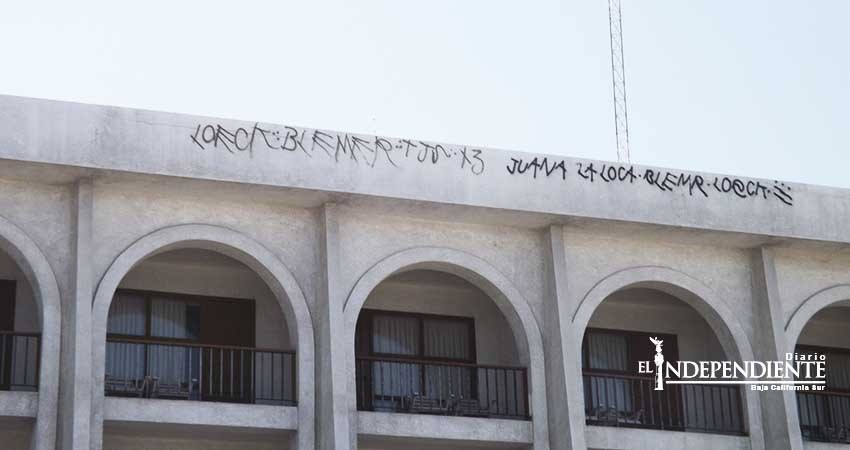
{"x": 757, "y": 88}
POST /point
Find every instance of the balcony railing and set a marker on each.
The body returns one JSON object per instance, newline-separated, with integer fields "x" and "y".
{"x": 824, "y": 416}
{"x": 631, "y": 401}
{"x": 19, "y": 361}
{"x": 428, "y": 387}
{"x": 182, "y": 371}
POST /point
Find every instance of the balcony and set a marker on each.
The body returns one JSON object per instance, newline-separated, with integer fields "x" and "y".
{"x": 183, "y": 371}
{"x": 824, "y": 416}
{"x": 19, "y": 360}
{"x": 631, "y": 402}
{"x": 416, "y": 386}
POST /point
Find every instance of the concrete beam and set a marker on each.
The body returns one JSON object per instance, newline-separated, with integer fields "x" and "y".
{"x": 566, "y": 421}
{"x": 335, "y": 429}
{"x": 778, "y": 408}
{"x": 76, "y": 345}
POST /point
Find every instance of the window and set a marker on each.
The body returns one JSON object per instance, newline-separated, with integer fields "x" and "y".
{"x": 430, "y": 340}
{"x": 618, "y": 351}
{"x": 821, "y": 412}
{"x": 837, "y": 365}
{"x": 134, "y": 314}
{"x": 610, "y": 361}
{"x": 421, "y": 336}
{"x": 145, "y": 326}
{"x": 178, "y": 317}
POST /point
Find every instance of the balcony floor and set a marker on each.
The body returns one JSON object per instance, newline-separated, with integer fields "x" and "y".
{"x": 18, "y": 403}
{"x": 809, "y": 445}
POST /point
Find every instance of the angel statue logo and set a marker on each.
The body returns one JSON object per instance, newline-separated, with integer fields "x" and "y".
{"x": 659, "y": 363}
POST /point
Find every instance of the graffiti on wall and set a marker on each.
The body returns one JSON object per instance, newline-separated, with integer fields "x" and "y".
{"x": 371, "y": 151}
{"x": 663, "y": 180}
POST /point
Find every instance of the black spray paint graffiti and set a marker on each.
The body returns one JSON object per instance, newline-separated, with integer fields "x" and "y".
{"x": 337, "y": 146}
{"x": 664, "y": 180}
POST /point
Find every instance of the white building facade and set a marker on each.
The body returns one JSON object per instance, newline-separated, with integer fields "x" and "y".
{"x": 170, "y": 281}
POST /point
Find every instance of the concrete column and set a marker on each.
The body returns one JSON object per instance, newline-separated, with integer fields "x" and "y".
{"x": 335, "y": 424}
{"x": 75, "y": 376}
{"x": 778, "y": 408}
{"x": 563, "y": 369}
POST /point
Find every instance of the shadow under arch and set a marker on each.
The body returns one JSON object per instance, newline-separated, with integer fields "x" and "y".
{"x": 239, "y": 247}
{"x": 726, "y": 326}
{"x": 810, "y": 306}
{"x": 29, "y": 258}
{"x": 484, "y": 276}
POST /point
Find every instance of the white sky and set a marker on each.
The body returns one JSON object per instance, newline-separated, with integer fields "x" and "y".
{"x": 758, "y": 88}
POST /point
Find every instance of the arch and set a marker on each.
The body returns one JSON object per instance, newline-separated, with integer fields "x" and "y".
{"x": 486, "y": 277}
{"x": 696, "y": 294}
{"x": 26, "y": 254}
{"x": 237, "y": 246}
{"x": 810, "y": 306}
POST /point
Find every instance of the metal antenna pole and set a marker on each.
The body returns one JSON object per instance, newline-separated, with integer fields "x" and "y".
{"x": 618, "y": 74}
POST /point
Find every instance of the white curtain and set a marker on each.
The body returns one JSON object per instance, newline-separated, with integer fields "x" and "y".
{"x": 169, "y": 363}
{"x": 608, "y": 351}
{"x": 395, "y": 335}
{"x": 126, "y": 316}
{"x": 398, "y": 336}
{"x": 23, "y": 360}
{"x": 448, "y": 339}
{"x": 168, "y": 318}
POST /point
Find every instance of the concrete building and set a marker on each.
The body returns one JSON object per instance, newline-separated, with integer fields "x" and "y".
{"x": 171, "y": 281}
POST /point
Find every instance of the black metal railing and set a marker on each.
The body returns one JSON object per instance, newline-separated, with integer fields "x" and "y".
{"x": 429, "y": 387}
{"x": 19, "y": 360}
{"x": 162, "y": 369}
{"x": 824, "y": 416}
{"x": 631, "y": 401}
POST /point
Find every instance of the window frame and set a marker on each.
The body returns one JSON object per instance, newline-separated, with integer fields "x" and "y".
{"x": 630, "y": 335}
{"x": 148, "y": 296}
{"x": 368, "y": 315}
{"x": 821, "y": 349}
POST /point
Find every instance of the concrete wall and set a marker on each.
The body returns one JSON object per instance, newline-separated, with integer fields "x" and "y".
{"x": 830, "y": 327}
{"x": 802, "y": 272}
